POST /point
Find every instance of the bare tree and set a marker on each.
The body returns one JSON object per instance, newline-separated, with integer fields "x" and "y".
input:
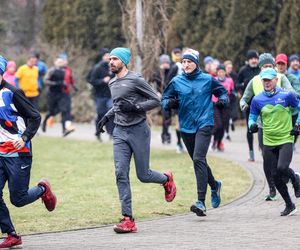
{"x": 154, "y": 26}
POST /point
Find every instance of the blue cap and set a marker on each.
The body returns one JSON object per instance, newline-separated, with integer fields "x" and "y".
{"x": 268, "y": 73}
{"x": 3, "y": 63}
{"x": 122, "y": 53}
{"x": 63, "y": 56}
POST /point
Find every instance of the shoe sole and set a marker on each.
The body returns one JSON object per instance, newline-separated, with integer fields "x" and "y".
{"x": 121, "y": 231}
{"x": 197, "y": 211}
{"x": 68, "y": 132}
{"x": 15, "y": 247}
{"x": 43, "y": 180}
{"x": 291, "y": 213}
{"x": 270, "y": 199}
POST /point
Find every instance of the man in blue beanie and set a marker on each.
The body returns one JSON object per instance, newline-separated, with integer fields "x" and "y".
{"x": 132, "y": 98}
{"x": 191, "y": 94}
{"x": 19, "y": 121}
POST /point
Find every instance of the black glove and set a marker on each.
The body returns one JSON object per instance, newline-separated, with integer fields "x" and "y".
{"x": 102, "y": 123}
{"x": 220, "y": 104}
{"x": 173, "y": 103}
{"x": 253, "y": 128}
{"x": 126, "y": 106}
{"x": 296, "y": 129}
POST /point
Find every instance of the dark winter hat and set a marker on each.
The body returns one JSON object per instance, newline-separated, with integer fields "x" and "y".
{"x": 164, "y": 59}
{"x": 3, "y": 63}
{"x": 252, "y": 54}
{"x": 221, "y": 67}
{"x": 265, "y": 58}
{"x": 294, "y": 57}
{"x": 176, "y": 50}
{"x": 192, "y": 55}
{"x": 122, "y": 53}
{"x": 102, "y": 52}
{"x": 36, "y": 54}
{"x": 208, "y": 59}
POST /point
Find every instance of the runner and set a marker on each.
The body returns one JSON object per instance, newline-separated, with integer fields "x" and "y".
{"x": 246, "y": 73}
{"x": 132, "y": 98}
{"x": 191, "y": 93}
{"x": 19, "y": 121}
{"x": 274, "y": 105}
{"x": 281, "y": 61}
{"x": 221, "y": 114}
{"x": 9, "y": 74}
{"x": 27, "y": 79}
{"x": 161, "y": 80}
{"x": 99, "y": 78}
{"x": 255, "y": 87}
{"x": 294, "y": 65}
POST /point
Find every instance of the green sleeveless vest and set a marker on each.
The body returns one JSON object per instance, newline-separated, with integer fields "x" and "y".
{"x": 257, "y": 84}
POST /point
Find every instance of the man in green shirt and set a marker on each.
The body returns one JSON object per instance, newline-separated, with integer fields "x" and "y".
{"x": 274, "y": 106}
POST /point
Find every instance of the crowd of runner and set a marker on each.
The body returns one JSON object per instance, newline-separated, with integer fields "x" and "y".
{"x": 203, "y": 102}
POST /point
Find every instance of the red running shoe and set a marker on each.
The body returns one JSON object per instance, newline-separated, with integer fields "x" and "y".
{"x": 170, "y": 187}
{"x": 126, "y": 225}
{"x": 11, "y": 242}
{"x": 48, "y": 197}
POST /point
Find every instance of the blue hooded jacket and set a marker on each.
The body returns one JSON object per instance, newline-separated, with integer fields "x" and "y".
{"x": 194, "y": 92}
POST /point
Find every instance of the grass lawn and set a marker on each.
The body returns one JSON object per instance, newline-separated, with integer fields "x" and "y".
{"x": 82, "y": 176}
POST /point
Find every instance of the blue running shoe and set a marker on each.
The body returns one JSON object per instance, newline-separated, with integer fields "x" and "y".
{"x": 199, "y": 208}
{"x": 215, "y": 195}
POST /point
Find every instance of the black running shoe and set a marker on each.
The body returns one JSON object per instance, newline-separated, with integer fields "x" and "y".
{"x": 289, "y": 210}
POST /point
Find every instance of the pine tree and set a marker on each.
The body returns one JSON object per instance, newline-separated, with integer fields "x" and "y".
{"x": 83, "y": 24}
{"x": 246, "y": 29}
{"x": 188, "y": 26}
{"x": 287, "y": 33}
{"x": 109, "y": 25}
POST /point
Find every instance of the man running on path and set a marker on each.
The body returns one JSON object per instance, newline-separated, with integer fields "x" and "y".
{"x": 191, "y": 93}
{"x": 246, "y": 73}
{"x": 19, "y": 121}
{"x": 132, "y": 98}
{"x": 255, "y": 87}
{"x": 274, "y": 105}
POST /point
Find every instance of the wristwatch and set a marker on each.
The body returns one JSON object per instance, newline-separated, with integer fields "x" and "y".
{"x": 25, "y": 138}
